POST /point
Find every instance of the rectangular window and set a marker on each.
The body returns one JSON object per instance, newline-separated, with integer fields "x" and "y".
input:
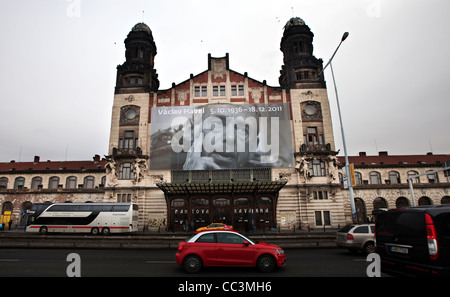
{"x": 122, "y": 198}
{"x": 311, "y": 137}
{"x": 222, "y": 91}
{"x": 318, "y": 215}
{"x": 196, "y": 91}
{"x": 320, "y": 195}
{"x": 234, "y": 90}
{"x": 326, "y": 218}
{"x": 215, "y": 91}
{"x": 204, "y": 91}
{"x": 128, "y": 141}
{"x": 322, "y": 218}
{"x": 125, "y": 171}
{"x": 241, "y": 90}
{"x": 317, "y": 168}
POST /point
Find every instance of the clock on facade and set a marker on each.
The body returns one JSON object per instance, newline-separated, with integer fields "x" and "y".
{"x": 310, "y": 109}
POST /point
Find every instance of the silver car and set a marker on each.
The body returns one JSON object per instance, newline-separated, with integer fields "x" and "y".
{"x": 357, "y": 238}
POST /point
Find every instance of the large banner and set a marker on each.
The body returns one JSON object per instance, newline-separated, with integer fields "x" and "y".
{"x": 221, "y": 136}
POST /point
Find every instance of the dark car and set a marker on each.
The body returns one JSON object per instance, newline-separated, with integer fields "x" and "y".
{"x": 414, "y": 241}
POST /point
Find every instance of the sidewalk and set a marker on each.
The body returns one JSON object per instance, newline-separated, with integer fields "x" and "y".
{"x": 154, "y": 240}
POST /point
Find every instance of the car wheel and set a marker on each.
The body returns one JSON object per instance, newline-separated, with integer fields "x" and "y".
{"x": 105, "y": 231}
{"x": 192, "y": 264}
{"x": 369, "y": 248}
{"x": 43, "y": 230}
{"x": 95, "y": 231}
{"x": 266, "y": 263}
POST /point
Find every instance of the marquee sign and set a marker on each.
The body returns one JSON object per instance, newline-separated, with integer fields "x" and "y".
{"x": 221, "y": 136}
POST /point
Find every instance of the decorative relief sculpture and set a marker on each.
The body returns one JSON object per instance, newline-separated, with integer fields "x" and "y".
{"x": 139, "y": 168}
{"x": 111, "y": 172}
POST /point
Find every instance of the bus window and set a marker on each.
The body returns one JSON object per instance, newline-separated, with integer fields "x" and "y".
{"x": 106, "y": 207}
{"x": 84, "y": 208}
{"x": 57, "y": 208}
{"x": 123, "y": 208}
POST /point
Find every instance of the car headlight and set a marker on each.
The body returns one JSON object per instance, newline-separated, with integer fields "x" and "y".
{"x": 279, "y": 251}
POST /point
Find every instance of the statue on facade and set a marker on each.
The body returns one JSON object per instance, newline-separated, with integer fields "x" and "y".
{"x": 303, "y": 167}
{"x": 139, "y": 168}
{"x": 332, "y": 168}
{"x": 111, "y": 172}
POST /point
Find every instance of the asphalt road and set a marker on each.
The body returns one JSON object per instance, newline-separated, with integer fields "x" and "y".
{"x": 161, "y": 263}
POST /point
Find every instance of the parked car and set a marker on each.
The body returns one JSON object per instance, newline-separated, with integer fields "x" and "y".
{"x": 215, "y": 226}
{"x": 414, "y": 240}
{"x": 357, "y": 238}
{"x": 227, "y": 248}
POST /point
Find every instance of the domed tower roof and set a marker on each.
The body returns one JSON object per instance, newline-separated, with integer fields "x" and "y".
{"x": 296, "y": 26}
{"x": 295, "y": 21}
{"x": 142, "y": 27}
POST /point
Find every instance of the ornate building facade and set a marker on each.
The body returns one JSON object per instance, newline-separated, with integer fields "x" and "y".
{"x": 222, "y": 146}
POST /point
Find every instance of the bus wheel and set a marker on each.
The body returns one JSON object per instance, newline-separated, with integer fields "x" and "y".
{"x": 43, "y": 230}
{"x": 95, "y": 231}
{"x": 105, "y": 231}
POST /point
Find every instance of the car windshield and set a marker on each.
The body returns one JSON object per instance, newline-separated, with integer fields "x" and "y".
{"x": 189, "y": 238}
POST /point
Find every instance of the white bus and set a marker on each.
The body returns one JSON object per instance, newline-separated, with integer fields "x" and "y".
{"x": 94, "y": 218}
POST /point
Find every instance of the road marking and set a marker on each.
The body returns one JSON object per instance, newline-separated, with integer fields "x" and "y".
{"x": 160, "y": 262}
{"x": 359, "y": 260}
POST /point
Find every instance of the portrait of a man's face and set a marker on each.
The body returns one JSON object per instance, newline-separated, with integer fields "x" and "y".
{"x": 221, "y": 136}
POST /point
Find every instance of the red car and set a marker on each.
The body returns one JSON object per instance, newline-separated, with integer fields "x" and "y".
{"x": 227, "y": 248}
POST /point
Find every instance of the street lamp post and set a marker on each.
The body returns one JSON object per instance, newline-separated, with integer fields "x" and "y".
{"x": 347, "y": 166}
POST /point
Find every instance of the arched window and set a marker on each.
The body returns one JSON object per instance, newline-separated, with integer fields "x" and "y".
{"x": 53, "y": 182}
{"x": 71, "y": 182}
{"x": 424, "y": 200}
{"x": 394, "y": 177}
{"x": 432, "y": 178}
{"x": 7, "y": 206}
{"x": 375, "y": 178}
{"x": 379, "y": 203}
{"x": 360, "y": 207}
{"x": 36, "y": 182}
{"x": 89, "y": 182}
{"x": 7, "y": 210}
{"x": 3, "y": 182}
{"x": 445, "y": 200}
{"x": 25, "y": 206}
{"x": 358, "y": 178}
{"x": 401, "y": 202}
{"x": 415, "y": 180}
{"x": 19, "y": 182}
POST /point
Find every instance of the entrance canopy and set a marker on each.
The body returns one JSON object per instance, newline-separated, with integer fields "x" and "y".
{"x": 222, "y": 188}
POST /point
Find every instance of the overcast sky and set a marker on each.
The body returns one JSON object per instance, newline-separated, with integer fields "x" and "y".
{"x": 58, "y": 63}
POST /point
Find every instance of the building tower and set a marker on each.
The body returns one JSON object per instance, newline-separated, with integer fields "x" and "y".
{"x": 137, "y": 74}
{"x": 300, "y": 66}
{"x": 315, "y": 154}
{"x": 136, "y": 84}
